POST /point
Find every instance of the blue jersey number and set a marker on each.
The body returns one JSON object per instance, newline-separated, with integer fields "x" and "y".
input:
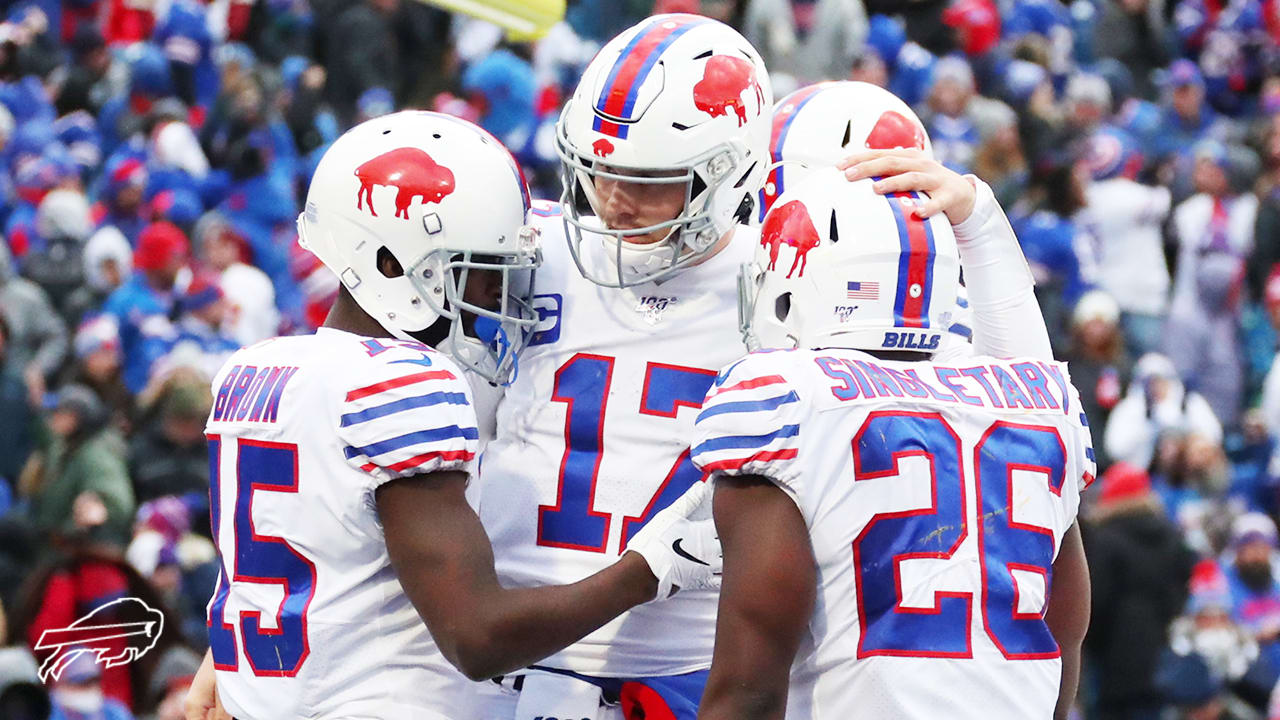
{"x": 582, "y": 384}
{"x": 1005, "y": 546}
{"x": 264, "y": 559}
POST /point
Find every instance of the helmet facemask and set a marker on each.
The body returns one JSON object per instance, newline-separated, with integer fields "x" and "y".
{"x": 691, "y": 235}
{"x": 482, "y": 337}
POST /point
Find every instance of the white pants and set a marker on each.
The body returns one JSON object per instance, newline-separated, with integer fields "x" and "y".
{"x": 492, "y": 701}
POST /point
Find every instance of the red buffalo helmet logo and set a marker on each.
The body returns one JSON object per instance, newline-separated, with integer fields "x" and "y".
{"x": 411, "y": 171}
{"x": 895, "y": 130}
{"x": 789, "y": 224}
{"x": 724, "y": 79}
{"x": 602, "y": 147}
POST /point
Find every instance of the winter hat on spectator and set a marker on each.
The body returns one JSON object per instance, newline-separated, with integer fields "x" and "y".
{"x": 20, "y": 687}
{"x": 108, "y": 243}
{"x": 1095, "y": 305}
{"x": 507, "y": 84}
{"x": 952, "y": 68}
{"x": 1208, "y": 589}
{"x": 36, "y": 176}
{"x": 1183, "y": 72}
{"x": 978, "y": 23}
{"x": 1089, "y": 88}
{"x": 64, "y": 214}
{"x": 1118, "y": 77}
{"x": 97, "y": 333}
{"x": 1251, "y": 527}
{"x": 125, "y": 172}
{"x": 1154, "y": 365}
{"x": 200, "y": 295}
{"x": 158, "y": 244}
{"x": 82, "y": 402}
{"x": 149, "y": 72}
{"x": 886, "y": 35}
{"x": 1110, "y": 153}
{"x": 167, "y": 515}
{"x": 1021, "y": 78}
{"x": 291, "y": 69}
{"x": 179, "y": 206}
{"x": 1121, "y": 482}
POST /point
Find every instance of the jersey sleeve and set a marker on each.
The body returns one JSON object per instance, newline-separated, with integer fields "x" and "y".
{"x": 409, "y": 413}
{"x": 1083, "y": 468}
{"x": 750, "y": 423}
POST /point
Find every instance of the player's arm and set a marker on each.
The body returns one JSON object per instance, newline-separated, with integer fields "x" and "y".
{"x": 1068, "y": 614}
{"x": 1006, "y": 315}
{"x": 445, "y": 564}
{"x": 765, "y": 601}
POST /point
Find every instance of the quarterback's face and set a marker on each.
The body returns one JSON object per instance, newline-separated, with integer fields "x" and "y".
{"x": 631, "y": 205}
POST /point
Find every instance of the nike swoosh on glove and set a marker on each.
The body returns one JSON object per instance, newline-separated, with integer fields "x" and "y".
{"x": 680, "y": 544}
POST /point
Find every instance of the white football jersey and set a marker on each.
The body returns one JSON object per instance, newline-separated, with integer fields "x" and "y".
{"x": 593, "y": 438}
{"x": 308, "y": 619}
{"x": 936, "y": 498}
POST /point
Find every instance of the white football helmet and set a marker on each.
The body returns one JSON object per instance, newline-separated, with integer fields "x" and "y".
{"x": 820, "y": 125}
{"x": 444, "y": 198}
{"x": 840, "y": 265}
{"x": 676, "y": 99}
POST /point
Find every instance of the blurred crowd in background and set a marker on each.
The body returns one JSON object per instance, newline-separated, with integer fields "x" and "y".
{"x": 154, "y": 156}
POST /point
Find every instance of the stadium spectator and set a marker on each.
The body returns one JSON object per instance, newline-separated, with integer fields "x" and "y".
{"x": 1058, "y": 249}
{"x": 1250, "y": 571}
{"x": 223, "y": 251}
{"x": 1139, "y": 569}
{"x": 98, "y": 367}
{"x": 810, "y": 41}
{"x": 1156, "y": 402}
{"x": 1125, "y": 217}
{"x": 1097, "y": 359}
{"x": 167, "y": 455}
{"x": 77, "y": 693}
{"x": 77, "y": 484}
{"x": 37, "y": 339}
{"x": 143, "y": 306}
{"x": 1133, "y": 32}
{"x": 999, "y": 160}
{"x": 363, "y": 49}
{"x": 954, "y": 137}
{"x": 1214, "y": 231}
{"x": 17, "y": 422}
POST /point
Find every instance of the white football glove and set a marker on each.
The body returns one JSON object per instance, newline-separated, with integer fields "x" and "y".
{"x": 680, "y": 544}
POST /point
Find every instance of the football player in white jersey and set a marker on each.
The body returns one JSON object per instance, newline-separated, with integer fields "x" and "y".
{"x": 665, "y": 146}
{"x": 869, "y": 132}
{"x": 339, "y": 460}
{"x": 899, "y": 532}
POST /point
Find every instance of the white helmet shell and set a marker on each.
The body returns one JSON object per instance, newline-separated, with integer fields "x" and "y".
{"x": 442, "y": 197}
{"x": 840, "y": 265}
{"x": 820, "y": 125}
{"x": 676, "y": 99}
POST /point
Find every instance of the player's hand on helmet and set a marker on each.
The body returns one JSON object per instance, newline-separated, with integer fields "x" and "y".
{"x": 680, "y": 544}
{"x": 202, "y": 701}
{"x": 911, "y": 170}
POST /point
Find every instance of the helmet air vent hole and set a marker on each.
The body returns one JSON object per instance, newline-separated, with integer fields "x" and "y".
{"x": 386, "y": 132}
{"x": 834, "y": 233}
{"x": 388, "y": 265}
{"x": 706, "y": 54}
{"x": 848, "y": 133}
{"x": 746, "y": 174}
{"x": 782, "y": 307}
{"x": 435, "y": 135}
